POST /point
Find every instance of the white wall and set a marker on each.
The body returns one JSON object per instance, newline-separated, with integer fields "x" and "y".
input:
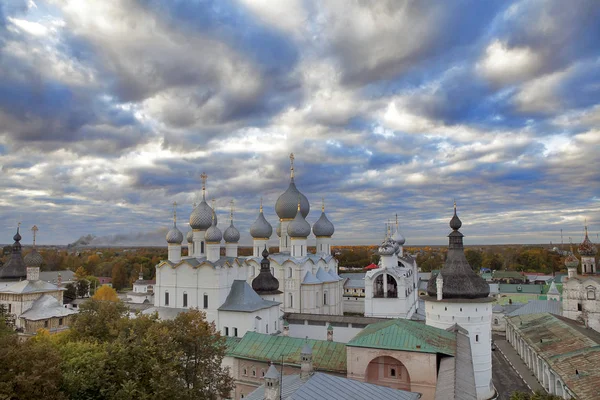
{"x": 319, "y": 332}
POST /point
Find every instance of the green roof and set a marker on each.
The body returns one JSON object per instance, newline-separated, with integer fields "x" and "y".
{"x": 327, "y": 356}
{"x": 520, "y": 288}
{"x": 402, "y": 334}
{"x": 509, "y": 274}
{"x": 231, "y": 342}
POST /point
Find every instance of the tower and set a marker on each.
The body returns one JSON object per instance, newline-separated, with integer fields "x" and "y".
{"x": 571, "y": 262}
{"x": 231, "y": 237}
{"x": 261, "y": 230}
{"x": 462, "y": 298}
{"x": 200, "y": 220}
{"x": 323, "y": 230}
{"x": 33, "y": 260}
{"x": 272, "y": 384}
{"x": 213, "y": 237}
{"x": 174, "y": 238}
{"x": 587, "y": 251}
{"x": 298, "y": 230}
{"x": 306, "y": 364}
{"x": 14, "y": 269}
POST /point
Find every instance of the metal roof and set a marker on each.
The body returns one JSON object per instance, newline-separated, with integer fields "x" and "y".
{"x": 325, "y": 386}
{"x": 538, "y": 306}
{"x": 567, "y": 346}
{"x": 243, "y": 298}
{"x": 31, "y": 287}
{"x": 324, "y": 276}
{"x": 327, "y": 355}
{"x": 402, "y": 334}
{"x": 309, "y": 278}
{"x": 46, "y": 307}
{"x": 456, "y": 377}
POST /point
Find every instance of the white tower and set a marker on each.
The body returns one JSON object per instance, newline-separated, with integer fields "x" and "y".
{"x": 200, "y": 221}
{"x": 463, "y": 299}
{"x": 174, "y": 238}
{"x": 298, "y": 230}
{"x": 571, "y": 262}
{"x": 323, "y": 230}
{"x": 231, "y": 237}
{"x": 272, "y": 384}
{"x": 213, "y": 239}
{"x": 261, "y": 230}
{"x": 587, "y": 251}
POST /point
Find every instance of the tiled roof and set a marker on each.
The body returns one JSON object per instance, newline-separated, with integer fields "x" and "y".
{"x": 402, "y": 334}
{"x": 324, "y": 386}
{"x": 327, "y": 356}
{"x": 567, "y": 346}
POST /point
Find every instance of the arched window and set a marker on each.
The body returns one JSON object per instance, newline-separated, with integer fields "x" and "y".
{"x": 477, "y": 338}
{"x": 166, "y": 298}
{"x": 325, "y": 297}
{"x": 291, "y": 300}
{"x": 244, "y": 371}
{"x": 185, "y": 299}
{"x": 205, "y": 300}
{"x": 289, "y": 272}
{"x": 495, "y": 321}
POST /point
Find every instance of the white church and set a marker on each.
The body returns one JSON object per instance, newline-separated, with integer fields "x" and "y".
{"x": 243, "y": 294}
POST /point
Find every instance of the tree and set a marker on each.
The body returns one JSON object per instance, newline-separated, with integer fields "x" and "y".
{"x": 80, "y": 273}
{"x": 71, "y": 293}
{"x": 94, "y": 284}
{"x": 533, "y": 396}
{"x": 98, "y": 320}
{"x": 106, "y": 293}
{"x": 119, "y": 276}
{"x": 475, "y": 259}
{"x": 83, "y": 288}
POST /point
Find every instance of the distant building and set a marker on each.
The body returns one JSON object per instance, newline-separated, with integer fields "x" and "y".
{"x": 143, "y": 291}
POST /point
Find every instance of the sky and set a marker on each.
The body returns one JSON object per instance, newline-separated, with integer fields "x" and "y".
{"x": 110, "y": 111}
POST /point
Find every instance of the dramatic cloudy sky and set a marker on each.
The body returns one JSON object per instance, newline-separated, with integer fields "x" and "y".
{"x": 110, "y": 111}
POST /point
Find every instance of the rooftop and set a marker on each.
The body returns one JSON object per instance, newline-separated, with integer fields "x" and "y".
{"x": 243, "y": 298}
{"x": 538, "y": 306}
{"x": 45, "y": 307}
{"x": 406, "y": 335}
{"x": 327, "y": 356}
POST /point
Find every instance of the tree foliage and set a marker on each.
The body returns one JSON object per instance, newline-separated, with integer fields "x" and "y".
{"x": 533, "y": 396}
{"x": 83, "y": 287}
{"x": 71, "y": 293}
{"x": 106, "y": 293}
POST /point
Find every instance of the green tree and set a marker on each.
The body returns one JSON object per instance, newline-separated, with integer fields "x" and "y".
{"x": 119, "y": 276}
{"x": 71, "y": 293}
{"x": 83, "y": 287}
{"x": 533, "y": 396}
{"x": 98, "y": 321}
{"x": 94, "y": 284}
{"x": 475, "y": 258}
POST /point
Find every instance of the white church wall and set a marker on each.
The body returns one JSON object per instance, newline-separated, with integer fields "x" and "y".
{"x": 318, "y": 330}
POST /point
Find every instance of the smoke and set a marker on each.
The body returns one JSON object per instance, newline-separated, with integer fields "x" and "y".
{"x": 153, "y": 238}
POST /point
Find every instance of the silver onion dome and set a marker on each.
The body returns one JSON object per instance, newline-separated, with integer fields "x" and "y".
{"x": 174, "y": 236}
{"x": 231, "y": 234}
{"x": 387, "y": 248}
{"x": 287, "y": 203}
{"x": 398, "y": 238}
{"x": 298, "y": 228}
{"x": 213, "y": 234}
{"x": 323, "y": 227}
{"x": 33, "y": 259}
{"x": 190, "y": 237}
{"x": 261, "y": 228}
{"x": 201, "y": 216}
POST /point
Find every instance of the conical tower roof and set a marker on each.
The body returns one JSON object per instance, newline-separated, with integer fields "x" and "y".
{"x": 15, "y": 268}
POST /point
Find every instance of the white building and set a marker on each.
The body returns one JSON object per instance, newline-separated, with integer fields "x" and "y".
{"x": 458, "y": 295}
{"x": 307, "y": 283}
{"x": 391, "y": 289}
{"x": 143, "y": 291}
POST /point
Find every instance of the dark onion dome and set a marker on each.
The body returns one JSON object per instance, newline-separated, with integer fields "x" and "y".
{"x": 33, "y": 259}
{"x": 201, "y": 216}
{"x": 190, "y": 237}
{"x": 587, "y": 248}
{"x": 265, "y": 282}
{"x": 14, "y": 268}
{"x": 460, "y": 281}
{"x": 261, "y": 228}
{"x": 213, "y": 234}
{"x": 323, "y": 227}
{"x": 231, "y": 234}
{"x": 174, "y": 236}
{"x": 298, "y": 228}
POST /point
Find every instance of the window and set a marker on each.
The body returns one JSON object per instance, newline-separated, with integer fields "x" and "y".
{"x": 226, "y": 331}
{"x": 235, "y": 332}
{"x": 166, "y": 298}
{"x": 184, "y": 299}
{"x": 9, "y": 308}
{"x": 266, "y": 328}
{"x": 324, "y": 298}
{"x": 205, "y": 300}
{"x": 591, "y": 294}
{"x": 262, "y": 373}
{"x": 291, "y": 300}
{"x": 289, "y": 272}
{"x": 579, "y": 307}
{"x": 393, "y": 372}
{"x": 45, "y": 324}
{"x": 495, "y": 321}
{"x": 244, "y": 371}
{"x": 202, "y": 246}
{"x": 60, "y": 322}
{"x": 477, "y": 338}
{"x": 253, "y": 372}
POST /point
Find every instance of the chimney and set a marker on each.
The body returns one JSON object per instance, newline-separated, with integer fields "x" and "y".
{"x": 330, "y": 333}
{"x": 286, "y": 328}
{"x": 306, "y": 365}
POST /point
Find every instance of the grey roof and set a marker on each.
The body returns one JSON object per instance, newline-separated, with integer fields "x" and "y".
{"x": 52, "y": 276}
{"x": 231, "y": 234}
{"x": 265, "y": 282}
{"x": 280, "y": 258}
{"x": 15, "y": 267}
{"x": 460, "y": 281}
{"x": 194, "y": 262}
{"x": 507, "y": 308}
{"x": 45, "y": 307}
{"x": 33, "y": 259}
{"x": 243, "y": 298}
{"x": 330, "y": 387}
{"x": 323, "y": 227}
{"x": 306, "y": 349}
{"x": 31, "y": 287}
{"x": 261, "y": 228}
{"x": 213, "y": 234}
{"x": 298, "y": 228}
{"x": 174, "y": 236}
{"x": 398, "y": 238}
{"x": 287, "y": 204}
{"x": 324, "y": 276}
{"x": 456, "y": 378}
{"x": 272, "y": 373}
{"x": 309, "y": 278}
{"x": 539, "y": 306}
{"x": 355, "y": 283}
{"x": 553, "y": 290}
{"x": 190, "y": 237}
{"x": 201, "y": 216}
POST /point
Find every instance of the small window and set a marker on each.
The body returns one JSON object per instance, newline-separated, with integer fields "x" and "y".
{"x": 9, "y": 308}
{"x": 45, "y": 324}
{"x": 262, "y": 373}
{"x": 591, "y": 294}
{"x": 579, "y": 307}
{"x": 244, "y": 371}
{"x": 266, "y": 328}
{"x": 253, "y": 372}
{"x": 205, "y": 300}
{"x": 461, "y": 309}
{"x": 202, "y": 247}
{"x": 477, "y": 338}
{"x": 393, "y": 372}
{"x": 60, "y": 322}
{"x": 290, "y": 272}
{"x": 184, "y": 299}
{"x": 495, "y": 321}
{"x": 235, "y": 332}
{"x": 324, "y": 298}
{"x": 166, "y": 298}
{"x": 291, "y": 300}
{"x": 226, "y": 331}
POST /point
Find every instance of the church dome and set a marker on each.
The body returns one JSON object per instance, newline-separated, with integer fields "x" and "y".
{"x": 287, "y": 203}
{"x": 386, "y": 248}
{"x": 174, "y": 236}
{"x": 261, "y": 228}
{"x": 398, "y": 238}
{"x": 213, "y": 234}
{"x": 190, "y": 237}
{"x": 265, "y": 282}
{"x": 323, "y": 227}
{"x": 587, "y": 248}
{"x": 298, "y": 228}
{"x": 571, "y": 261}
{"x": 14, "y": 268}
{"x": 460, "y": 281}
{"x": 231, "y": 234}
{"x": 201, "y": 216}
{"x": 33, "y": 259}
